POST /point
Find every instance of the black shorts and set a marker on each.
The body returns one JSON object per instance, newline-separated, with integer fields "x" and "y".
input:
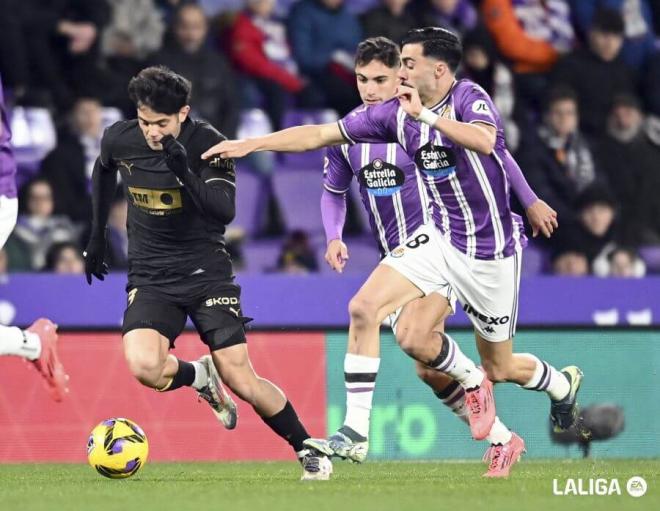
{"x": 214, "y": 308}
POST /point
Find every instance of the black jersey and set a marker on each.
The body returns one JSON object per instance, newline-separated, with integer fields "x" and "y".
{"x": 169, "y": 238}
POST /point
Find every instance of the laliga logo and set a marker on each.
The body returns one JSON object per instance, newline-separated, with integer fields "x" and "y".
{"x": 636, "y": 487}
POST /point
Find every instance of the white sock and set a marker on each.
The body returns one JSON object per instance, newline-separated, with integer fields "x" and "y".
{"x": 454, "y": 363}
{"x": 499, "y": 433}
{"x": 201, "y": 375}
{"x": 547, "y": 379}
{"x": 21, "y": 343}
{"x": 453, "y": 397}
{"x": 360, "y": 379}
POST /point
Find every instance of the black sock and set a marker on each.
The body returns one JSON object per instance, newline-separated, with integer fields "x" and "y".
{"x": 444, "y": 351}
{"x": 287, "y": 425}
{"x": 185, "y": 376}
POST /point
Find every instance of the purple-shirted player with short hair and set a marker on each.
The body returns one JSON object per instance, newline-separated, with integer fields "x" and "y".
{"x": 38, "y": 343}
{"x": 394, "y": 196}
{"x": 454, "y": 134}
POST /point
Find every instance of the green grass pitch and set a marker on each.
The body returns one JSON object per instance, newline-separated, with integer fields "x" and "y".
{"x": 378, "y": 486}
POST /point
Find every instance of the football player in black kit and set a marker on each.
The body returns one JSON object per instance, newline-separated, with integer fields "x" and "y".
{"x": 179, "y": 206}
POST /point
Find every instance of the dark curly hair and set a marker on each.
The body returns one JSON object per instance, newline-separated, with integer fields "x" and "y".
{"x": 161, "y": 89}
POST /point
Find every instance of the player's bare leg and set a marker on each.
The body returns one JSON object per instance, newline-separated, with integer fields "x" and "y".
{"x": 233, "y": 364}
{"x": 419, "y": 332}
{"x": 384, "y": 291}
{"x": 147, "y": 354}
{"x": 531, "y": 373}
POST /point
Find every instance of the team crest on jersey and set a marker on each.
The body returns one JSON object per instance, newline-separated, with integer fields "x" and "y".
{"x": 380, "y": 178}
{"x": 435, "y": 160}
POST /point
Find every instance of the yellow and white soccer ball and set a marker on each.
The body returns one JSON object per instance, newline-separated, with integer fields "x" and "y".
{"x": 117, "y": 448}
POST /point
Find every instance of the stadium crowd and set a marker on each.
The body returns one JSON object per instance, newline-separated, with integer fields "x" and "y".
{"x": 577, "y": 83}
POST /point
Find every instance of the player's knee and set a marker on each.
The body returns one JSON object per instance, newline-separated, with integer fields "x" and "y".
{"x": 496, "y": 371}
{"x": 363, "y": 311}
{"x": 146, "y": 370}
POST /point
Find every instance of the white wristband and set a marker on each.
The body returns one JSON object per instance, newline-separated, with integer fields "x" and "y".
{"x": 428, "y": 117}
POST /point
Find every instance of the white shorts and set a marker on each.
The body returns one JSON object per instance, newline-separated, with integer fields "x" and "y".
{"x": 8, "y": 214}
{"x": 487, "y": 289}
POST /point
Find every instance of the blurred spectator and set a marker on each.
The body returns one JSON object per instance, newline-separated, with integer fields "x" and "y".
{"x": 69, "y": 166}
{"x": 556, "y": 159}
{"x": 621, "y": 262}
{"x": 13, "y": 57}
{"x": 324, "y": 36}
{"x": 392, "y": 19}
{"x": 531, "y": 34}
{"x": 259, "y": 48}
{"x": 597, "y": 73}
{"x": 214, "y": 93}
{"x": 117, "y": 233}
{"x": 135, "y": 29}
{"x": 62, "y": 42}
{"x": 37, "y": 228}
{"x": 457, "y": 15}
{"x": 65, "y": 258}
{"x": 297, "y": 254}
{"x": 631, "y": 162}
{"x": 482, "y": 65}
{"x": 639, "y": 39}
{"x": 570, "y": 263}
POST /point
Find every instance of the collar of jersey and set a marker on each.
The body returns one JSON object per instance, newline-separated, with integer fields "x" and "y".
{"x": 445, "y": 98}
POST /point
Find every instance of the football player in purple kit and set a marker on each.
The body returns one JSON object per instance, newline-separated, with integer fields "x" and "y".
{"x": 454, "y": 134}
{"x": 37, "y": 343}
{"x": 395, "y": 199}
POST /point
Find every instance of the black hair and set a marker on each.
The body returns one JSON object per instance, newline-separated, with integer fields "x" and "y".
{"x": 608, "y": 21}
{"x": 560, "y": 93}
{"x": 160, "y": 89}
{"x": 381, "y": 49}
{"x": 438, "y": 43}
{"x": 56, "y": 249}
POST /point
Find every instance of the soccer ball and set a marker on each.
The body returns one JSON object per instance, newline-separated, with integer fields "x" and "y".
{"x": 117, "y": 448}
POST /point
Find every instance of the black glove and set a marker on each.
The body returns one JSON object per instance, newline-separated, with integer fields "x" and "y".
{"x": 94, "y": 255}
{"x": 176, "y": 157}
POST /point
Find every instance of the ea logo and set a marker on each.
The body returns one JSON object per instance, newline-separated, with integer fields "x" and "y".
{"x": 636, "y": 486}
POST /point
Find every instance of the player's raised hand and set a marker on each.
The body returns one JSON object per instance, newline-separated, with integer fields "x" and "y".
{"x": 336, "y": 255}
{"x": 176, "y": 157}
{"x": 94, "y": 255}
{"x": 229, "y": 149}
{"x": 409, "y": 100}
{"x": 542, "y": 218}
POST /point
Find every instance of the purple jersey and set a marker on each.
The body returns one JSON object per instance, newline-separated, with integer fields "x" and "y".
{"x": 469, "y": 189}
{"x": 391, "y": 188}
{"x": 7, "y": 161}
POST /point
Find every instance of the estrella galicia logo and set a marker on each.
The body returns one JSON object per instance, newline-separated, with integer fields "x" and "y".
{"x": 435, "y": 160}
{"x": 381, "y": 178}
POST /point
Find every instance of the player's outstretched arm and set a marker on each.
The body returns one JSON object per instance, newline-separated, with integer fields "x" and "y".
{"x": 104, "y": 184}
{"x": 297, "y": 139}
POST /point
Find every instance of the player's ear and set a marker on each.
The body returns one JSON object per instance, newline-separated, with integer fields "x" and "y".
{"x": 183, "y": 113}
